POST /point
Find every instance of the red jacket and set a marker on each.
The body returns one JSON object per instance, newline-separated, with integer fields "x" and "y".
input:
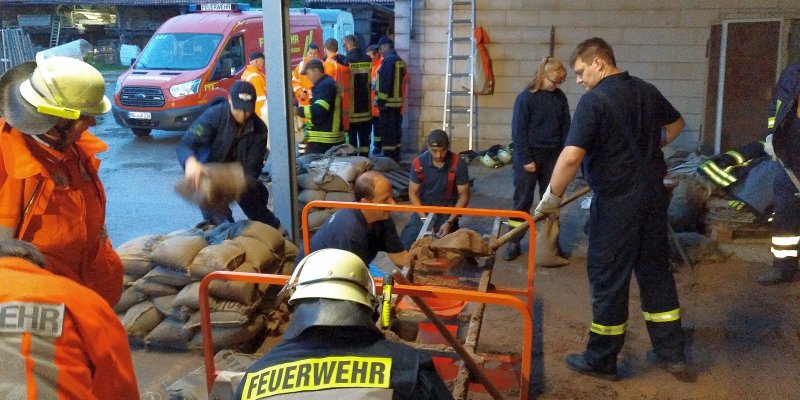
{"x": 58, "y": 339}
{"x": 66, "y": 216}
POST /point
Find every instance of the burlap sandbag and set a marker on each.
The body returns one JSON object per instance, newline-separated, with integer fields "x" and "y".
{"x": 169, "y": 333}
{"x": 318, "y": 217}
{"x": 140, "y": 319}
{"x": 268, "y": 235}
{"x": 136, "y": 254}
{"x": 384, "y": 164}
{"x": 221, "y": 184}
{"x": 345, "y": 170}
{"x": 168, "y": 276}
{"x": 242, "y": 292}
{"x": 256, "y": 253}
{"x": 361, "y": 164}
{"x": 225, "y": 256}
{"x": 225, "y": 313}
{"x": 154, "y": 289}
{"x": 308, "y": 195}
{"x": 340, "y": 196}
{"x": 193, "y": 385}
{"x": 306, "y": 181}
{"x": 189, "y": 297}
{"x": 130, "y": 296}
{"x": 290, "y": 250}
{"x": 547, "y": 255}
{"x": 329, "y": 182}
{"x": 465, "y": 242}
{"x": 227, "y": 337}
{"x": 178, "y": 251}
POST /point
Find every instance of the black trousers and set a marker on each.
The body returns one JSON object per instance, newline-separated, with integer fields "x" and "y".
{"x": 525, "y": 183}
{"x": 628, "y": 235}
{"x": 786, "y": 225}
{"x": 389, "y": 129}
{"x": 359, "y": 136}
{"x": 253, "y": 203}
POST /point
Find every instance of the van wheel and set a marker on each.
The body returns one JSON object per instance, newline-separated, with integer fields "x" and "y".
{"x": 141, "y": 131}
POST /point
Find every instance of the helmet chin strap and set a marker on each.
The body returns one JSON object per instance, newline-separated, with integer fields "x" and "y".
{"x": 60, "y": 141}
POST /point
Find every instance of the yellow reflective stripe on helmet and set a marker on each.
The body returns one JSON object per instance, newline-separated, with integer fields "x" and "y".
{"x": 785, "y": 240}
{"x": 608, "y": 330}
{"x": 736, "y": 155}
{"x": 770, "y": 122}
{"x": 315, "y": 374}
{"x": 666, "y": 316}
{"x": 61, "y": 112}
{"x": 324, "y": 104}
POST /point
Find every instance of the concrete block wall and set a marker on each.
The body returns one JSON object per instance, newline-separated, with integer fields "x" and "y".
{"x": 663, "y": 42}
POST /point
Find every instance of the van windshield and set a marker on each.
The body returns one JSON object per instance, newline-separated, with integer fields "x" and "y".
{"x": 178, "y": 51}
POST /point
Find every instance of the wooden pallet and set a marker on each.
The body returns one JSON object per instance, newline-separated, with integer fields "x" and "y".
{"x": 399, "y": 180}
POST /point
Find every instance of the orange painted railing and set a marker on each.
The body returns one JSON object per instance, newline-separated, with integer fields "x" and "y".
{"x": 420, "y": 291}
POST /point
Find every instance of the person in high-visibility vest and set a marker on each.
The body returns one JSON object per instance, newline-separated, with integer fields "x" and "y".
{"x": 254, "y": 73}
{"x": 389, "y": 98}
{"x": 323, "y": 128}
{"x": 301, "y": 85}
{"x": 336, "y": 67}
{"x": 377, "y": 59}
{"x": 360, "y": 110}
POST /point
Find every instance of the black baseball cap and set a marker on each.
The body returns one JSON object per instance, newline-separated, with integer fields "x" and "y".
{"x": 256, "y": 55}
{"x": 385, "y": 40}
{"x": 438, "y": 138}
{"x": 243, "y": 96}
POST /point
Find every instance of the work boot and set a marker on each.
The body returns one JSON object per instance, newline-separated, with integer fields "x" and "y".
{"x": 681, "y": 370}
{"x": 512, "y": 251}
{"x": 775, "y": 275}
{"x": 578, "y": 363}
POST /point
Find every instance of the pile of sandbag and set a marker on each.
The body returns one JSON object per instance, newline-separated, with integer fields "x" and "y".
{"x": 328, "y": 178}
{"x": 162, "y": 282}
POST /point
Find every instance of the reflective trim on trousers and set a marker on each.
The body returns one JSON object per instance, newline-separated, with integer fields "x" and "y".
{"x": 609, "y": 330}
{"x": 666, "y": 316}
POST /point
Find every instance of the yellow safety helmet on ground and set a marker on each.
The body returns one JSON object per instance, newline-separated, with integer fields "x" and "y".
{"x": 332, "y": 274}
{"x": 33, "y": 96}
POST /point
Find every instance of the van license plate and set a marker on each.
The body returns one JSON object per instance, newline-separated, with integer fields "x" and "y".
{"x": 138, "y": 115}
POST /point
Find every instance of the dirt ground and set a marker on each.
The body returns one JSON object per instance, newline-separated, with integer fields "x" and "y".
{"x": 744, "y": 338}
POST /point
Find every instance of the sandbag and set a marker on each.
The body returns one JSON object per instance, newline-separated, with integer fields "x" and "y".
{"x": 127, "y": 280}
{"x": 154, "y": 289}
{"x": 340, "y": 196}
{"x": 169, "y": 333}
{"x": 687, "y": 204}
{"x": 130, "y": 296}
{"x": 342, "y": 169}
{"x": 225, "y": 313}
{"x": 308, "y": 195}
{"x": 290, "y": 250}
{"x": 193, "y": 385}
{"x": 318, "y": 217}
{"x": 225, "y": 256}
{"x": 465, "y": 242}
{"x": 287, "y": 268}
{"x": 140, "y": 319}
{"x": 329, "y": 182}
{"x": 136, "y": 254}
{"x": 384, "y": 164}
{"x": 168, "y": 276}
{"x": 268, "y": 235}
{"x": 547, "y": 255}
{"x": 189, "y": 297}
{"x": 164, "y": 305}
{"x": 220, "y": 184}
{"x": 256, "y": 253}
{"x": 306, "y": 181}
{"x": 242, "y": 292}
{"x": 178, "y": 251}
{"x": 362, "y": 164}
{"x": 226, "y": 337}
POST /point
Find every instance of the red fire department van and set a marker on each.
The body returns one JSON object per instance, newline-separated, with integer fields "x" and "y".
{"x": 192, "y": 61}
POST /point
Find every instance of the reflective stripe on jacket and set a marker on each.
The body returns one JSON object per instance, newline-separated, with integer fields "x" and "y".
{"x": 323, "y": 115}
{"x": 389, "y": 85}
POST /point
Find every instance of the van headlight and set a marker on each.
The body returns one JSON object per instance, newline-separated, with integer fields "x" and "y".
{"x": 185, "y": 89}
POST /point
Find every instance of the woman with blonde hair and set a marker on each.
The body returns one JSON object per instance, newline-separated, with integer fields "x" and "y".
{"x": 538, "y": 128}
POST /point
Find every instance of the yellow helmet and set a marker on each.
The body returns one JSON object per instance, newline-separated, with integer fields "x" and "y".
{"x": 332, "y": 274}
{"x": 66, "y": 87}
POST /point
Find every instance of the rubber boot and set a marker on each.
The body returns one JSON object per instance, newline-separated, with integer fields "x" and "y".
{"x": 782, "y": 270}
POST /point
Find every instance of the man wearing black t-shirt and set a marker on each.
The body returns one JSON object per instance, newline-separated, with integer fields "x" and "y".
{"x": 617, "y": 132}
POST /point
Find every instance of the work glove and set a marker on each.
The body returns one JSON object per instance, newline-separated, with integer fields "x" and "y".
{"x": 549, "y": 206}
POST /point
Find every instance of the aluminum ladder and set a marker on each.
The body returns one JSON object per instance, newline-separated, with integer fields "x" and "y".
{"x": 460, "y": 64}
{"x": 55, "y": 30}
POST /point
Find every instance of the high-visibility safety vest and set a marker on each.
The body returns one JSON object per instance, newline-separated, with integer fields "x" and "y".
{"x": 324, "y": 115}
{"x": 301, "y": 85}
{"x": 389, "y": 85}
{"x": 360, "y": 104}
{"x": 373, "y": 79}
{"x": 336, "y": 67}
{"x": 259, "y": 81}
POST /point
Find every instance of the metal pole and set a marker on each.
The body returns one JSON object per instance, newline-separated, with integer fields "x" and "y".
{"x": 281, "y": 137}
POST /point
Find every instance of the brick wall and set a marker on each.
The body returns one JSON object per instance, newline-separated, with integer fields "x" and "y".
{"x": 663, "y": 42}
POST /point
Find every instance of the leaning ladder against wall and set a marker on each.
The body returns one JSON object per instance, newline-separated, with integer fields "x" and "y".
{"x": 460, "y": 101}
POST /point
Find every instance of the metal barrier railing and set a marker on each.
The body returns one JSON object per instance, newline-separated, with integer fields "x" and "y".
{"x": 419, "y": 291}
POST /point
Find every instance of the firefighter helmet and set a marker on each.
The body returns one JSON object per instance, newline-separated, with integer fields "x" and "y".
{"x": 332, "y": 274}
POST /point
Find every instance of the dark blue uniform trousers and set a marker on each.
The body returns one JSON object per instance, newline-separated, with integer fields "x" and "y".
{"x": 389, "y": 129}
{"x": 253, "y": 203}
{"x": 628, "y": 234}
{"x": 787, "y": 218}
{"x": 525, "y": 184}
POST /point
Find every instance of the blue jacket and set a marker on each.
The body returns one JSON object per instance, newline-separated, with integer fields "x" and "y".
{"x": 324, "y": 114}
{"x": 389, "y": 83}
{"x": 211, "y": 138}
{"x": 782, "y": 113}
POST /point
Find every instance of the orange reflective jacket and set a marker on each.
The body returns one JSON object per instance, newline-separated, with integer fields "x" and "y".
{"x": 301, "y": 85}
{"x": 66, "y": 207}
{"x": 341, "y": 74}
{"x": 259, "y": 81}
{"x": 58, "y": 339}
